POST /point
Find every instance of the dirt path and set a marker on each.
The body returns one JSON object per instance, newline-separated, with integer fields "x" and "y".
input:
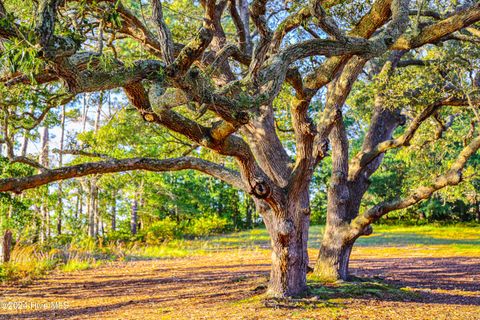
{"x": 223, "y": 287}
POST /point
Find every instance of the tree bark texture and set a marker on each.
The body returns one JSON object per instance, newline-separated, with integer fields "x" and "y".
{"x": 134, "y": 216}
{"x": 288, "y": 229}
{"x": 5, "y": 246}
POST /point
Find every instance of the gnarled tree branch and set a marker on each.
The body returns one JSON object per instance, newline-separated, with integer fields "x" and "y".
{"x": 452, "y": 177}
{"x": 17, "y": 185}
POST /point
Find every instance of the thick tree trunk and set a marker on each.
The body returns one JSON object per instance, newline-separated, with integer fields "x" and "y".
{"x": 334, "y": 255}
{"x": 289, "y": 264}
{"x": 289, "y": 235}
{"x": 5, "y": 246}
{"x": 339, "y": 237}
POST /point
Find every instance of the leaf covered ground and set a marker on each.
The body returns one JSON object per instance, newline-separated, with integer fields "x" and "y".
{"x": 401, "y": 273}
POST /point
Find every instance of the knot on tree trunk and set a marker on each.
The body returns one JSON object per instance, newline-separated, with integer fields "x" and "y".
{"x": 242, "y": 117}
{"x": 261, "y": 189}
{"x": 285, "y": 227}
{"x": 368, "y": 230}
{"x": 322, "y": 148}
{"x": 284, "y": 230}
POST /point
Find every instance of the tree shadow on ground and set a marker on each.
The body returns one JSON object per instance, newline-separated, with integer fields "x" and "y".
{"x": 197, "y": 282}
{"x": 335, "y": 295}
{"x": 451, "y": 281}
{"x": 458, "y": 273}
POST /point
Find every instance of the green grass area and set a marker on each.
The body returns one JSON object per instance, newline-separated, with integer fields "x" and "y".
{"x": 383, "y": 235}
{"x": 173, "y": 249}
{"x": 438, "y": 240}
{"x": 422, "y": 235}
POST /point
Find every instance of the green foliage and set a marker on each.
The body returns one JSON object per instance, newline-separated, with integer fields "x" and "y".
{"x": 168, "y": 229}
{"x": 205, "y": 226}
{"x": 118, "y": 236}
{"x": 411, "y": 90}
{"x": 160, "y": 231}
{"x": 20, "y": 56}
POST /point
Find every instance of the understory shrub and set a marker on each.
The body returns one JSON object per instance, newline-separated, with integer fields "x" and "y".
{"x": 205, "y": 226}
{"x": 161, "y": 231}
{"x": 118, "y": 236}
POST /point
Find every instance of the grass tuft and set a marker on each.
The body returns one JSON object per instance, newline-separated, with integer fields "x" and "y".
{"x": 78, "y": 265}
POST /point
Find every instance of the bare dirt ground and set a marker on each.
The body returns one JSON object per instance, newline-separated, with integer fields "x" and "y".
{"x": 228, "y": 286}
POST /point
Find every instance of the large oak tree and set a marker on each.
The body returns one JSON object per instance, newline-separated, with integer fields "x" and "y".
{"x": 240, "y": 57}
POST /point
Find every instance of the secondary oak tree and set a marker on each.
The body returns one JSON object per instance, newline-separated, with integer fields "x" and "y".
{"x": 240, "y": 57}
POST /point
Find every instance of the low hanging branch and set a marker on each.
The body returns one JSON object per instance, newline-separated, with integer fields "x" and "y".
{"x": 452, "y": 177}
{"x": 364, "y": 157}
{"x": 17, "y": 185}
